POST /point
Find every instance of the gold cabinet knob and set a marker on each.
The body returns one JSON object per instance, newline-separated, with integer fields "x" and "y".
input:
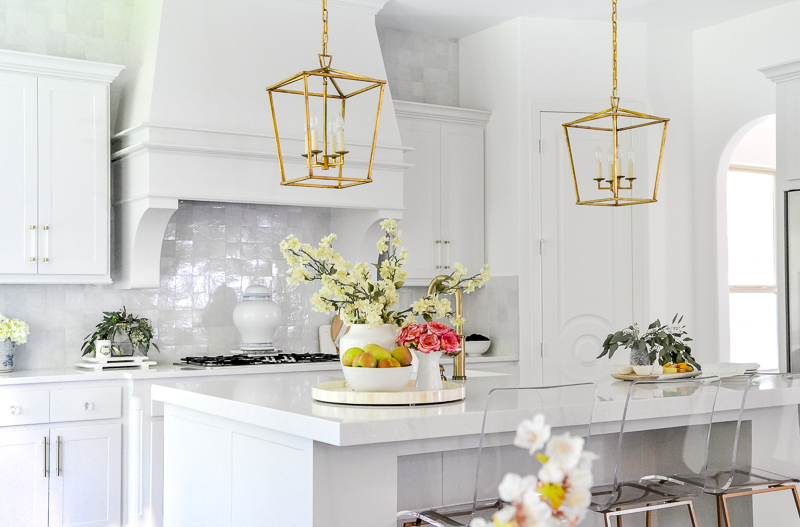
{"x": 45, "y": 227}
{"x": 45, "y": 260}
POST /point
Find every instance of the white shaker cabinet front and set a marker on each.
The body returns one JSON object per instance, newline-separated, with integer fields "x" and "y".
{"x": 74, "y": 203}
{"x": 443, "y": 221}
{"x": 85, "y": 475}
{"x": 23, "y": 478}
{"x": 55, "y": 133}
{"x": 19, "y": 173}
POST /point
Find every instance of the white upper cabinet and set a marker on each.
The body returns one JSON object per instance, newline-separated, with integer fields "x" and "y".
{"x": 73, "y": 178}
{"x": 18, "y": 177}
{"x": 443, "y": 221}
{"x": 54, "y": 149}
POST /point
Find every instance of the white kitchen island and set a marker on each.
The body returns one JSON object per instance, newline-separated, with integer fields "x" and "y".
{"x": 262, "y": 452}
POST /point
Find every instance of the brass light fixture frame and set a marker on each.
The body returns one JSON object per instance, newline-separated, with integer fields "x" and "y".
{"x": 323, "y": 159}
{"x": 618, "y": 182}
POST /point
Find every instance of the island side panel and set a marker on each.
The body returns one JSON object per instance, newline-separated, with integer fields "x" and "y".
{"x": 197, "y": 473}
{"x": 355, "y": 486}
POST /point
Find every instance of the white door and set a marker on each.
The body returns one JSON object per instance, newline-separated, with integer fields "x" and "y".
{"x": 73, "y": 177}
{"x": 86, "y": 476}
{"x": 462, "y": 196}
{"x": 587, "y": 267}
{"x": 421, "y": 192}
{"x": 18, "y": 174}
{"x": 23, "y": 478}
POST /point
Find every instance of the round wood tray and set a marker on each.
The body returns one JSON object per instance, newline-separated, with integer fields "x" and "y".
{"x": 659, "y": 377}
{"x": 338, "y": 392}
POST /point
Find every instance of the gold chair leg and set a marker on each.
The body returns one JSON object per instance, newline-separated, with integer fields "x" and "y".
{"x": 796, "y": 498}
{"x": 722, "y": 518}
{"x": 647, "y": 518}
{"x": 692, "y": 513}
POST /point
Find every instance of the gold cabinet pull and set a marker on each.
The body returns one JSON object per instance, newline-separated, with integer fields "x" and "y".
{"x": 44, "y": 465}
{"x": 58, "y": 455}
{"x": 32, "y": 228}
{"x": 47, "y": 243}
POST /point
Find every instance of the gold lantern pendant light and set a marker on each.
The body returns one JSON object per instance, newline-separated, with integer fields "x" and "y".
{"x": 609, "y": 121}
{"x": 337, "y": 87}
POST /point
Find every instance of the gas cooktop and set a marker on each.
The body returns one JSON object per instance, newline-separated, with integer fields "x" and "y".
{"x": 221, "y": 361}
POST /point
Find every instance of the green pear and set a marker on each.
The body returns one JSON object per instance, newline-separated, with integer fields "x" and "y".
{"x": 388, "y": 363}
{"x": 349, "y": 355}
{"x": 365, "y": 360}
{"x": 402, "y": 355}
{"x": 377, "y": 351}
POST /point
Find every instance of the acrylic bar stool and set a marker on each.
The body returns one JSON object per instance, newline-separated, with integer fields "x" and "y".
{"x": 638, "y": 485}
{"x": 734, "y": 476}
{"x": 571, "y": 405}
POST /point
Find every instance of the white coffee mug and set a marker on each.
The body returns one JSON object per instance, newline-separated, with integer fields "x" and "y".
{"x": 102, "y": 348}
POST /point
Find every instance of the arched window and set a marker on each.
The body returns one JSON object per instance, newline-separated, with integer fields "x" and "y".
{"x": 752, "y": 276}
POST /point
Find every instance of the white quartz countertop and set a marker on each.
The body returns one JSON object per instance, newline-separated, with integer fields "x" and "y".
{"x": 284, "y": 403}
{"x": 73, "y": 374}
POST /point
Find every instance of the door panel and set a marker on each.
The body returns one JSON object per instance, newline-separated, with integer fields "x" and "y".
{"x": 73, "y": 177}
{"x": 18, "y": 176}
{"x": 421, "y": 185}
{"x": 86, "y": 490}
{"x": 23, "y": 481}
{"x": 587, "y": 264}
{"x": 462, "y": 196}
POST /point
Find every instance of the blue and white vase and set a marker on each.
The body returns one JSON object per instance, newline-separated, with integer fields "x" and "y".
{"x": 7, "y": 362}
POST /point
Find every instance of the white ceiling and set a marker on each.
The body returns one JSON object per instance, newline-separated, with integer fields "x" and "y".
{"x": 458, "y": 18}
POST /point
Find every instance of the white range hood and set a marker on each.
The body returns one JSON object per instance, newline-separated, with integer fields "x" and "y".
{"x": 196, "y": 125}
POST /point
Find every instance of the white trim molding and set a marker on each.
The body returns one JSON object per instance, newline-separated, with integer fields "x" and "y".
{"x": 445, "y": 114}
{"x": 58, "y": 66}
{"x": 785, "y": 71}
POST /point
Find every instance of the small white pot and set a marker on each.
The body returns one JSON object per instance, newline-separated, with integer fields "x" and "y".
{"x": 7, "y": 356}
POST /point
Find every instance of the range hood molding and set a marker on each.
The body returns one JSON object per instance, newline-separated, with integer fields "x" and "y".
{"x": 214, "y": 142}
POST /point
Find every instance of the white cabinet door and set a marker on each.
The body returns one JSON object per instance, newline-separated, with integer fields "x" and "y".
{"x": 86, "y": 476}
{"x": 18, "y": 173}
{"x": 421, "y": 193}
{"x": 73, "y": 177}
{"x": 23, "y": 478}
{"x": 462, "y": 197}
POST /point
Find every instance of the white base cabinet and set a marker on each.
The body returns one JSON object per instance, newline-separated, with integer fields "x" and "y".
{"x": 444, "y": 191}
{"x": 61, "y": 455}
{"x": 55, "y": 131}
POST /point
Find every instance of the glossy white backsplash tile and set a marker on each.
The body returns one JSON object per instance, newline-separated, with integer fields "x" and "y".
{"x": 211, "y": 253}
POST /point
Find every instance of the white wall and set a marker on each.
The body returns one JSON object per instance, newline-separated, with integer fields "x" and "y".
{"x": 729, "y": 93}
{"x": 511, "y": 67}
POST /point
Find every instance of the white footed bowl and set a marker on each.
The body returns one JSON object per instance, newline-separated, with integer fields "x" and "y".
{"x": 477, "y": 347}
{"x": 623, "y": 369}
{"x": 377, "y": 379}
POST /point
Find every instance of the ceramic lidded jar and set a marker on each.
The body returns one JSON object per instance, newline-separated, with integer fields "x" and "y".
{"x": 257, "y": 317}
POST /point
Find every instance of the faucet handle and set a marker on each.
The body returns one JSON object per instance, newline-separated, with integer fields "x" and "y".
{"x": 441, "y": 372}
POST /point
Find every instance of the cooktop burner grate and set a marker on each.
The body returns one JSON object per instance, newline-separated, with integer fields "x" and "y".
{"x": 256, "y": 360}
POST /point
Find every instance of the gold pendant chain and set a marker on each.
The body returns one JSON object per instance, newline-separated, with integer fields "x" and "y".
{"x": 325, "y": 28}
{"x": 614, "y": 26}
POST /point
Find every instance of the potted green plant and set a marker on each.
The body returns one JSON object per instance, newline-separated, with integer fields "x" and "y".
{"x": 666, "y": 343}
{"x": 128, "y": 334}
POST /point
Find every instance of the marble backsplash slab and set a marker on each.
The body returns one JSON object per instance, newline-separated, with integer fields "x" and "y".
{"x": 211, "y": 253}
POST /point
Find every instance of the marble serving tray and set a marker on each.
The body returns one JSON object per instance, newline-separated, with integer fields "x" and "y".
{"x": 338, "y": 392}
{"x": 660, "y": 377}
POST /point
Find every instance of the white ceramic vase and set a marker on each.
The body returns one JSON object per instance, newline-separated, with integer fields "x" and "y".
{"x": 7, "y": 358}
{"x": 428, "y": 375}
{"x": 257, "y": 317}
{"x": 359, "y": 335}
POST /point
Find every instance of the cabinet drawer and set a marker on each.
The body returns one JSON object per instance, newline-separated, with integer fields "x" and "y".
{"x": 85, "y": 404}
{"x": 24, "y": 408}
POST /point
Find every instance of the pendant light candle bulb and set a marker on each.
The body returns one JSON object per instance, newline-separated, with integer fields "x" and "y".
{"x": 598, "y": 155}
{"x": 338, "y": 127}
{"x": 631, "y": 159}
{"x": 610, "y": 159}
{"x": 314, "y": 126}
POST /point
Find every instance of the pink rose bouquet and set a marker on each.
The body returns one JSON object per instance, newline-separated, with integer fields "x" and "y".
{"x": 426, "y": 338}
